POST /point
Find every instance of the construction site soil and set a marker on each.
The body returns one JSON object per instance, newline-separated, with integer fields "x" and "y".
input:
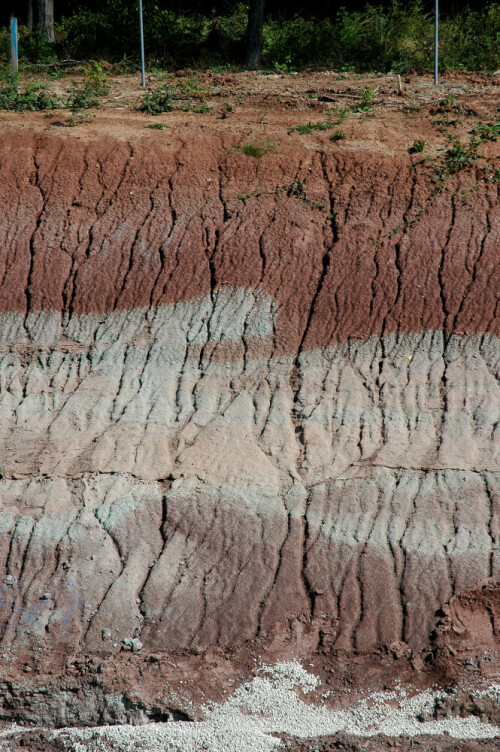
{"x": 249, "y": 400}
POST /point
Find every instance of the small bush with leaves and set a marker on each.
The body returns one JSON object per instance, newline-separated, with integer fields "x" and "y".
{"x": 487, "y": 131}
{"x": 460, "y": 157}
{"x": 156, "y": 101}
{"x": 200, "y": 108}
{"x": 34, "y": 97}
{"x": 81, "y": 98}
{"x": 366, "y": 104}
{"x": 96, "y": 78}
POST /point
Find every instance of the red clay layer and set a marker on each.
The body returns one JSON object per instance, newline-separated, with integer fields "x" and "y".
{"x": 107, "y": 225}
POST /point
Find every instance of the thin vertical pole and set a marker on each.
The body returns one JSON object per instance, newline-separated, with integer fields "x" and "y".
{"x": 436, "y": 42}
{"x": 14, "y": 60}
{"x": 141, "y": 32}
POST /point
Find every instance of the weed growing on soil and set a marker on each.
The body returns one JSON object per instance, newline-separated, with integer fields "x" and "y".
{"x": 311, "y": 127}
{"x": 156, "y": 101}
{"x": 447, "y": 101}
{"x": 96, "y": 78}
{"x": 84, "y": 97}
{"x": 254, "y": 194}
{"x": 256, "y": 149}
{"x": 298, "y": 190}
{"x": 200, "y": 108}
{"x": 341, "y": 114}
{"x": 366, "y": 104}
{"x": 157, "y": 126}
{"x": 337, "y": 136}
{"x": 78, "y": 118}
{"x": 462, "y": 156}
{"x": 417, "y": 147}
{"x": 34, "y": 97}
{"x": 413, "y": 105}
{"x": 487, "y": 131}
{"x": 458, "y": 157}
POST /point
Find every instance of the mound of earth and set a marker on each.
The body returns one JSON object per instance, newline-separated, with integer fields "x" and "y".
{"x": 246, "y": 403}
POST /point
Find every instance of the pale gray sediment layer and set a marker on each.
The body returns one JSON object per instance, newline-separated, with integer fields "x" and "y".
{"x": 165, "y": 476}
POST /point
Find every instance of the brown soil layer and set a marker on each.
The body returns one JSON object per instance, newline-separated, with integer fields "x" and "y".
{"x": 52, "y": 690}
{"x": 42, "y": 741}
{"x": 349, "y": 236}
{"x": 345, "y": 743}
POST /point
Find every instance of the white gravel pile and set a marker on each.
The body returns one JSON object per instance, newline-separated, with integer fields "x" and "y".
{"x": 269, "y": 704}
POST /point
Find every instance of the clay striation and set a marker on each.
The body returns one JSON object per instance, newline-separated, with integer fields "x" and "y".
{"x": 226, "y": 418}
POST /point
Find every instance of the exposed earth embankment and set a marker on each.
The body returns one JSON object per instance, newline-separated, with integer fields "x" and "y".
{"x": 243, "y": 399}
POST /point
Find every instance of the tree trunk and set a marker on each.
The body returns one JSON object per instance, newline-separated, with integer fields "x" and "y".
{"x": 29, "y": 15}
{"x": 254, "y": 33}
{"x": 45, "y": 12}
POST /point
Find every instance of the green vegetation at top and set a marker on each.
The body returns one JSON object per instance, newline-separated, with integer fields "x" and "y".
{"x": 34, "y": 97}
{"x": 396, "y": 36}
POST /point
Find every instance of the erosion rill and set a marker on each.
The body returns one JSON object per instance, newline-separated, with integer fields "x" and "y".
{"x": 240, "y": 423}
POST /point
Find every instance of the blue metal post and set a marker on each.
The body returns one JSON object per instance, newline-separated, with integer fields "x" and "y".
{"x": 14, "y": 61}
{"x": 436, "y": 42}
{"x": 141, "y": 32}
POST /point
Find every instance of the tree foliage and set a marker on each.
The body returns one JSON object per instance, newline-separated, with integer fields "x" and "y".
{"x": 360, "y": 36}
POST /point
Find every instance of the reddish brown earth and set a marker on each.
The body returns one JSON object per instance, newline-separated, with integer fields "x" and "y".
{"x": 250, "y": 406}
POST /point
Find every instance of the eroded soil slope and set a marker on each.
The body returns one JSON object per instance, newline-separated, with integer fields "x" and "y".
{"x": 246, "y": 398}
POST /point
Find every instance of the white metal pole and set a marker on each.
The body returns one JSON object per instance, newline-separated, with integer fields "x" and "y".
{"x": 141, "y": 33}
{"x": 436, "y": 42}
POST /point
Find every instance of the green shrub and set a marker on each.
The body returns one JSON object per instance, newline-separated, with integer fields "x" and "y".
{"x": 487, "y": 131}
{"x": 396, "y": 36}
{"x": 156, "y": 101}
{"x": 366, "y": 103}
{"x": 112, "y": 31}
{"x": 34, "y": 97}
{"x": 81, "y": 98}
{"x": 96, "y": 78}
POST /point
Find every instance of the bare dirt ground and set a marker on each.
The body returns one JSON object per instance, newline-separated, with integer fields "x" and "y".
{"x": 376, "y": 113}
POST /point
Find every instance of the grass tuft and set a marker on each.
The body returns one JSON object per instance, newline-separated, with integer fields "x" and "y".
{"x": 256, "y": 149}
